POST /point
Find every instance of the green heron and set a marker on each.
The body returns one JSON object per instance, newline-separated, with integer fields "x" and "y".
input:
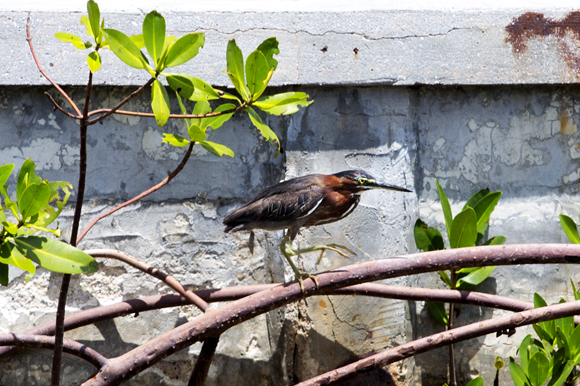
{"x": 311, "y": 200}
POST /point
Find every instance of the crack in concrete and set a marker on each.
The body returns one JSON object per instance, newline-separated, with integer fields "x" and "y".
{"x": 356, "y": 327}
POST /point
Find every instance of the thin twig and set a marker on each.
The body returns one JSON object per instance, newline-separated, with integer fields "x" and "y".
{"x": 57, "y": 107}
{"x": 442, "y": 339}
{"x": 64, "y": 94}
{"x": 452, "y": 378}
{"x": 108, "y": 112}
{"x": 201, "y": 368}
{"x": 59, "y": 331}
{"x": 41, "y": 341}
{"x": 164, "y": 182}
{"x": 167, "y": 279}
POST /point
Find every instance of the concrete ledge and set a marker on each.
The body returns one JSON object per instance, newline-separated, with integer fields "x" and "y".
{"x": 387, "y": 45}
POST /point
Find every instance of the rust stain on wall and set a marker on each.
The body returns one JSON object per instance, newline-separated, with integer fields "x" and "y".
{"x": 533, "y": 25}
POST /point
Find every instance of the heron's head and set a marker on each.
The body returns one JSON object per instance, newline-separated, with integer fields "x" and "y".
{"x": 359, "y": 180}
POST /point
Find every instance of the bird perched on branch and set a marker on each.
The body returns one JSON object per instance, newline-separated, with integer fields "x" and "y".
{"x": 311, "y": 200}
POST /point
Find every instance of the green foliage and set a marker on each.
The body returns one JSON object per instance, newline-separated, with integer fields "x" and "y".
{"x": 570, "y": 228}
{"x": 38, "y": 203}
{"x": 553, "y": 356}
{"x": 476, "y": 382}
{"x": 464, "y": 230}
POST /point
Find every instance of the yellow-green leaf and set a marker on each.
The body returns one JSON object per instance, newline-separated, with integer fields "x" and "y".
{"x": 125, "y": 49}
{"x": 94, "y": 19}
{"x": 282, "y": 104}
{"x": 463, "y": 229}
{"x": 217, "y": 121}
{"x": 216, "y": 148}
{"x": 182, "y": 83}
{"x": 5, "y": 171}
{"x": 264, "y": 129}
{"x": 175, "y": 140}
{"x": 235, "y": 68}
{"x": 196, "y": 133}
{"x": 74, "y": 39}
{"x": 203, "y": 91}
{"x": 257, "y": 73}
{"x": 33, "y": 199}
{"x": 160, "y": 103}
{"x": 55, "y": 255}
{"x": 94, "y": 61}
{"x": 184, "y": 49}
{"x": 570, "y": 228}
{"x": 154, "y": 36}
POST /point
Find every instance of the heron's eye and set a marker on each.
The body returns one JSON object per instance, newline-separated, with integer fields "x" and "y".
{"x": 365, "y": 181}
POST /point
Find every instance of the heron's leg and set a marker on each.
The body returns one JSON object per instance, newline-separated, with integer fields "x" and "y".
{"x": 322, "y": 248}
{"x": 287, "y": 251}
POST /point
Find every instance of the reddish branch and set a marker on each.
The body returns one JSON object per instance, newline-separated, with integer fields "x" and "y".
{"x": 201, "y": 368}
{"x": 64, "y": 94}
{"x": 167, "y": 279}
{"x": 40, "y": 341}
{"x": 442, "y": 339}
{"x": 148, "y": 303}
{"x": 140, "y": 196}
{"x": 215, "y": 322}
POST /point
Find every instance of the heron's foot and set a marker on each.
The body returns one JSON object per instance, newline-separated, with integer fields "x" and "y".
{"x": 299, "y": 277}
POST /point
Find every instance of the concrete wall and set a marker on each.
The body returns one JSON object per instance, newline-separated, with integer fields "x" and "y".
{"x": 470, "y": 123}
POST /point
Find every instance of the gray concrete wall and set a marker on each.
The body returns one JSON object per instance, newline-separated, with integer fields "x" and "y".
{"x": 482, "y": 130}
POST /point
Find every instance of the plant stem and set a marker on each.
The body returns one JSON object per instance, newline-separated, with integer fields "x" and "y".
{"x": 201, "y": 368}
{"x": 452, "y": 379}
{"x": 59, "y": 331}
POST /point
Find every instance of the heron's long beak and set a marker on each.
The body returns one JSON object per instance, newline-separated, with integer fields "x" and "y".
{"x": 382, "y": 185}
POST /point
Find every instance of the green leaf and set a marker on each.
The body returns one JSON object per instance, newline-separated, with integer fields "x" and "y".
{"x": 463, "y": 229}
{"x": 574, "y": 342}
{"x": 181, "y": 83}
{"x": 446, "y": 208}
{"x": 175, "y": 140}
{"x": 443, "y": 275}
{"x": 87, "y": 23}
{"x": 94, "y": 61}
{"x": 34, "y": 198}
{"x": 125, "y": 49}
{"x": 74, "y": 39}
{"x": 538, "y": 368}
{"x": 542, "y": 333}
{"x": 563, "y": 342}
{"x": 4, "y": 278}
{"x": 94, "y": 19}
{"x": 50, "y": 213}
{"x": 576, "y": 293}
{"x": 138, "y": 40}
{"x": 475, "y": 198}
{"x": 548, "y": 326}
{"x": 184, "y": 49}
{"x": 474, "y": 278}
{"x": 561, "y": 374}
{"x": 282, "y": 104}
{"x": 566, "y": 324}
{"x": 497, "y": 240}
{"x": 524, "y": 350}
{"x": 196, "y": 133}
{"x": 160, "y": 103}
{"x": 518, "y": 375}
{"x": 203, "y": 91}
{"x": 218, "y": 120}
{"x": 476, "y": 382}
{"x": 11, "y": 255}
{"x": 484, "y": 208}
{"x": 257, "y": 73}
{"x": 437, "y": 311}
{"x": 200, "y": 108}
{"x": 269, "y": 48}
{"x": 267, "y": 133}
{"x": 217, "y": 149}
{"x": 154, "y": 36}
{"x": 55, "y": 255}
{"x": 26, "y": 176}
{"x": 182, "y": 108}
{"x": 570, "y": 228}
{"x": 5, "y": 171}
{"x": 235, "y": 69}
{"x": 427, "y": 239}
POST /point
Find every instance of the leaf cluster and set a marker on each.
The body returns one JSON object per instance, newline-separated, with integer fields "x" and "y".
{"x": 38, "y": 203}
{"x": 553, "y": 355}
{"x": 467, "y": 229}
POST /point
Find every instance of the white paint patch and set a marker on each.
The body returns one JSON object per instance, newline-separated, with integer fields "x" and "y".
{"x": 70, "y": 154}
{"x": 439, "y": 144}
{"x": 155, "y": 148}
{"x": 52, "y": 121}
{"x": 44, "y": 152}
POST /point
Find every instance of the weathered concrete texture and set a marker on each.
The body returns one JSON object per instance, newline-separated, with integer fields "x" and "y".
{"x": 404, "y": 46}
{"x": 521, "y": 140}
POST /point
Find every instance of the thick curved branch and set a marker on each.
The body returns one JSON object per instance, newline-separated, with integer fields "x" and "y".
{"x": 215, "y": 322}
{"x": 148, "y": 303}
{"x": 64, "y": 94}
{"x": 201, "y": 368}
{"x": 107, "y": 112}
{"x": 167, "y": 279}
{"x": 164, "y": 182}
{"x": 442, "y": 339}
{"x": 69, "y": 346}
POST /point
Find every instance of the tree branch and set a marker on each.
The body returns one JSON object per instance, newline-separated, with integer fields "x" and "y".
{"x": 216, "y": 321}
{"x": 201, "y": 368}
{"x": 69, "y": 346}
{"x": 167, "y": 279}
{"x": 64, "y": 94}
{"x": 442, "y": 339}
{"x": 57, "y": 107}
{"x": 144, "y": 194}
